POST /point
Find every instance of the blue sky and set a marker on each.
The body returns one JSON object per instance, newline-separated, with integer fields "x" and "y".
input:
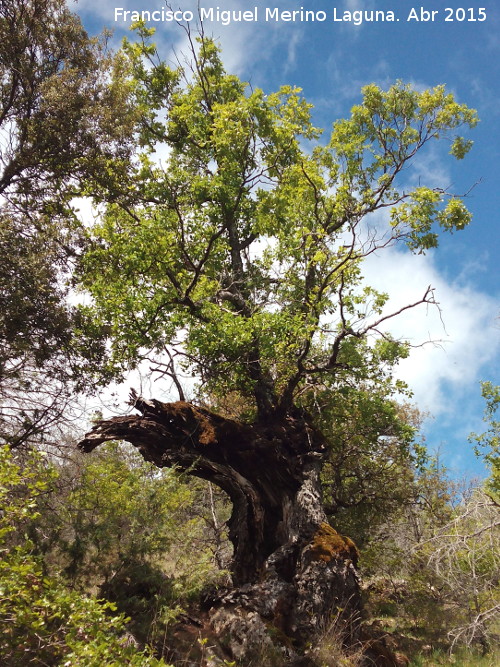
{"x": 331, "y": 61}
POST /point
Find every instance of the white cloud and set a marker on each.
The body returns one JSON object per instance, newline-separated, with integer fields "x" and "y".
{"x": 463, "y": 327}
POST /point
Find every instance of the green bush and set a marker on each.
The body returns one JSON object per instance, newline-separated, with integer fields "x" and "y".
{"x": 42, "y": 622}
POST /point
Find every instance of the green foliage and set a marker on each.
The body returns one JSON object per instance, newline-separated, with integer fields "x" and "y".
{"x": 247, "y": 241}
{"x": 120, "y": 509}
{"x": 64, "y": 129}
{"x": 372, "y": 456}
{"x": 489, "y": 441}
{"x": 57, "y": 113}
{"x": 140, "y": 536}
{"x": 462, "y": 658}
{"x": 143, "y": 513}
{"x": 42, "y": 622}
{"x": 38, "y": 324}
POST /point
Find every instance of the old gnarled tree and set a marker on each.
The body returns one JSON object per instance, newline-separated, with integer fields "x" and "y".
{"x": 238, "y": 255}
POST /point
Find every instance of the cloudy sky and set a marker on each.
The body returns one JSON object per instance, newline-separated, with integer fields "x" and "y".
{"x": 331, "y": 60}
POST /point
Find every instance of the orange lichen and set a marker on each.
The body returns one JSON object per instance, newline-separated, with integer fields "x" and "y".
{"x": 207, "y": 435}
{"x": 197, "y": 423}
{"x": 328, "y": 544}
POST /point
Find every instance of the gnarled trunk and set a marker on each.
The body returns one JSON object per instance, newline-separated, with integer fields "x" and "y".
{"x": 290, "y": 569}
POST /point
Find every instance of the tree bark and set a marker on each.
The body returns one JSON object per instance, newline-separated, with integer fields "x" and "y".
{"x": 290, "y": 569}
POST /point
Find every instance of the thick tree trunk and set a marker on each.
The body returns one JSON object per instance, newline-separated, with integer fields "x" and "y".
{"x": 291, "y": 570}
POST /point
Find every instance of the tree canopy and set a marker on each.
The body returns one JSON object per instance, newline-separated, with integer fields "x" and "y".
{"x": 237, "y": 245}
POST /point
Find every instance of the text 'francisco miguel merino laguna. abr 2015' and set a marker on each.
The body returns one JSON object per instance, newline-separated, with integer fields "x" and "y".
{"x": 226, "y": 17}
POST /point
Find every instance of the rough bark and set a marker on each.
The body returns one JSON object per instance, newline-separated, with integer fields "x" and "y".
{"x": 291, "y": 570}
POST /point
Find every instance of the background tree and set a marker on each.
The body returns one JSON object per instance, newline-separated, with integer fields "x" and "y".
{"x": 488, "y": 443}
{"x": 57, "y": 113}
{"x": 59, "y": 120}
{"x": 463, "y": 556}
{"x": 373, "y": 460}
{"x": 432, "y": 569}
{"x": 240, "y": 255}
{"x": 431, "y": 572}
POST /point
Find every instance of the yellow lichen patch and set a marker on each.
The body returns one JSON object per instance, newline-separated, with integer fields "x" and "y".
{"x": 328, "y": 544}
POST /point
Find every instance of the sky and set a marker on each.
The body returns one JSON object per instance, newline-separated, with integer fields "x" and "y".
{"x": 443, "y": 42}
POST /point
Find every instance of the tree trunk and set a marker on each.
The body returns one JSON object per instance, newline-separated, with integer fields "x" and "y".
{"x": 290, "y": 569}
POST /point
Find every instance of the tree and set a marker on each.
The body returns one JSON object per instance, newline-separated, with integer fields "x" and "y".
{"x": 57, "y": 112}
{"x": 373, "y": 459}
{"x": 464, "y": 559}
{"x": 238, "y": 257}
{"x": 59, "y": 120}
{"x": 489, "y": 441}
